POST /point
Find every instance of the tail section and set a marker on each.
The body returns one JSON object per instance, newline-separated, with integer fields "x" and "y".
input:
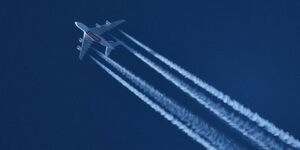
{"x": 107, "y": 51}
{"x": 111, "y": 47}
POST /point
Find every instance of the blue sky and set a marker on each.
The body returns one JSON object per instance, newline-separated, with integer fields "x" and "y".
{"x": 51, "y": 100}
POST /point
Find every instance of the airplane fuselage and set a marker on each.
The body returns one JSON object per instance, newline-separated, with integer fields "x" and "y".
{"x": 91, "y": 35}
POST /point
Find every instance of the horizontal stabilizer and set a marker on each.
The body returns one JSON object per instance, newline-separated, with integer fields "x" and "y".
{"x": 114, "y": 44}
{"x": 107, "y": 51}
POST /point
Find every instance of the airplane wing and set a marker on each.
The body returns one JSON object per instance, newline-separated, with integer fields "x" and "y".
{"x": 86, "y": 43}
{"x": 106, "y": 27}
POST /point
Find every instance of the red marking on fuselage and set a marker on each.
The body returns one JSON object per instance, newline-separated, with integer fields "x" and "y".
{"x": 93, "y": 36}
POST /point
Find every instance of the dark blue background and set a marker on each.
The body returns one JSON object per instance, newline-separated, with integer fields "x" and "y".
{"x": 51, "y": 100}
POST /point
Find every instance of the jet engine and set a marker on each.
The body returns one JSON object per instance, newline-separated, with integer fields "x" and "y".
{"x": 79, "y": 48}
{"x": 107, "y": 22}
{"x": 80, "y": 40}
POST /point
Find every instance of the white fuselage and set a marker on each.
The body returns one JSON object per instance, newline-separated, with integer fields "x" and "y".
{"x": 91, "y": 35}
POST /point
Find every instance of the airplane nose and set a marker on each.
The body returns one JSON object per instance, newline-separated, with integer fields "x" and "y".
{"x": 76, "y": 23}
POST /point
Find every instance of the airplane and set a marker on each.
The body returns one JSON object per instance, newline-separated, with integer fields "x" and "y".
{"x": 93, "y": 34}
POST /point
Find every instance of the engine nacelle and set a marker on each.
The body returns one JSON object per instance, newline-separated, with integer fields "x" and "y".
{"x": 98, "y": 25}
{"x": 80, "y": 40}
{"x": 107, "y": 22}
{"x": 79, "y": 48}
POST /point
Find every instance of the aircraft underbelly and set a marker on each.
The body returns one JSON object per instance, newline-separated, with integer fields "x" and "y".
{"x": 93, "y": 36}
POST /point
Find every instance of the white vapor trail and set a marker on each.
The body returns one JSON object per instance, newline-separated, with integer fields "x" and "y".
{"x": 261, "y": 122}
{"x": 157, "y": 108}
{"x": 252, "y": 132}
{"x": 195, "y": 123}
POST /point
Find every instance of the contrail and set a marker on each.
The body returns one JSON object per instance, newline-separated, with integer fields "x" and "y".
{"x": 261, "y": 122}
{"x": 252, "y": 132}
{"x": 157, "y": 108}
{"x": 197, "y": 125}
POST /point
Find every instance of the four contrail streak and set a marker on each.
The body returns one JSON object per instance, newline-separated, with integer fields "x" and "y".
{"x": 157, "y": 108}
{"x": 243, "y": 126}
{"x": 197, "y": 125}
{"x": 261, "y": 122}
